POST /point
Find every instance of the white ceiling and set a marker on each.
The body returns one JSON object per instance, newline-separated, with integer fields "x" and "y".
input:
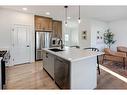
{"x": 104, "y": 13}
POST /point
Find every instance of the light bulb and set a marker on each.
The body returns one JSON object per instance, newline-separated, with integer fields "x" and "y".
{"x": 79, "y": 21}
{"x": 47, "y": 13}
{"x": 65, "y": 23}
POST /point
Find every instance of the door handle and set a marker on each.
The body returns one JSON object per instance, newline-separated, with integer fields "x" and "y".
{"x": 27, "y": 46}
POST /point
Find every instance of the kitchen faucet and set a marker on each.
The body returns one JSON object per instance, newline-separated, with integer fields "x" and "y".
{"x": 61, "y": 43}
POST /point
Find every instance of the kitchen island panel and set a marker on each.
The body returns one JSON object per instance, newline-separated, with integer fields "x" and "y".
{"x": 84, "y": 74}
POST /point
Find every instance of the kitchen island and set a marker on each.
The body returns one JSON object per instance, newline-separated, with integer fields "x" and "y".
{"x": 72, "y": 68}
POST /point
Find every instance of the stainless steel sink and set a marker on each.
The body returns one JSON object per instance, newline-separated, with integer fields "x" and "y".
{"x": 56, "y": 49}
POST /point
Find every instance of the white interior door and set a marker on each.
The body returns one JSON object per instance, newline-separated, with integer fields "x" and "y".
{"x": 21, "y": 44}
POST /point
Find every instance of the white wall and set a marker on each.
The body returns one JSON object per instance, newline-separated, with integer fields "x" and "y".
{"x": 119, "y": 28}
{"x": 101, "y": 27}
{"x": 84, "y": 26}
{"x": 7, "y": 19}
{"x": 75, "y": 32}
{"x": 72, "y": 30}
{"x": 92, "y": 26}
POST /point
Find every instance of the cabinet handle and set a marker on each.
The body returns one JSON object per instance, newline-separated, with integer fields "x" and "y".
{"x": 46, "y": 55}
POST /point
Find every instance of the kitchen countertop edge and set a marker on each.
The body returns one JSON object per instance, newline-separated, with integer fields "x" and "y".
{"x": 71, "y": 60}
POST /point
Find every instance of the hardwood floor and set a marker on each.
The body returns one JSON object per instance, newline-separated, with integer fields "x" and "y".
{"x": 108, "y": 81}
{"x": 28, "y": 76}
{"x": 32, "y": 76}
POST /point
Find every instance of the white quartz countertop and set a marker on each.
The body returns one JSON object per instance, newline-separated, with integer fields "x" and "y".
{"x": 74, "y": 54}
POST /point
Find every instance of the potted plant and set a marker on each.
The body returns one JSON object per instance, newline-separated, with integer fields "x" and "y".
{"x": 109, "y": 38}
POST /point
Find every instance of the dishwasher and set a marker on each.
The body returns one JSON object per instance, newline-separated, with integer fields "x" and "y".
{"x": 62, "y": 73}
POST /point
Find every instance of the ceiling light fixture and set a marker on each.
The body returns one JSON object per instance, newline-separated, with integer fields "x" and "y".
{"x": 79, "y": 19}
{"x": 47, "y": 13}
{"x": 66, "y": 14}
{"x": 25, "y": 9}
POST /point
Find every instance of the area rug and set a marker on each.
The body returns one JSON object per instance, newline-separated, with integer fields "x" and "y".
{"x": 116, "y": 67}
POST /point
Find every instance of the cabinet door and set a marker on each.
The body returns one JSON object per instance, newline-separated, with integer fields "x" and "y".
{"x": 51, "y": 65}
{"x": 38, "y": 23}
{"x": 45, "y": 61}
{"x": 49, "y": 25}
{"x": 57, "y": 29}
{"x": 46, "y": 24}
{"x": 48, "y": 63}
{"x": 54, "y": 29}
{"x": 43, "y": 23}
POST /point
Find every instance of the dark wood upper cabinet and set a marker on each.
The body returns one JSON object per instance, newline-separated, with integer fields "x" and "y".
{"x": 57, "y": 29}
{"x": 43, "y": 23}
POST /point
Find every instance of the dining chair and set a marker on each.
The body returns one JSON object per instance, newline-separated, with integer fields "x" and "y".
{"x": 95, "y": 49}
{"x": 75, "y": 46}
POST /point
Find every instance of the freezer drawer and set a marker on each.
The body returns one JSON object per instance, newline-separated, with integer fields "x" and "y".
{"x": 38, "y": 54}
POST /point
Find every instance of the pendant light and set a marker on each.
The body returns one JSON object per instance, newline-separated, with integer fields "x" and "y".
{"x": 66, "y": 14}
{"x": 79, "y": 19}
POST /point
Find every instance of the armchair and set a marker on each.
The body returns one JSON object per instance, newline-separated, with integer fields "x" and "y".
{"x": 122, "y": 49}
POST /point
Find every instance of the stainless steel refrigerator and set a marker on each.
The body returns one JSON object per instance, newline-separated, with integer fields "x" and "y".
{"x": 42, "y": 40}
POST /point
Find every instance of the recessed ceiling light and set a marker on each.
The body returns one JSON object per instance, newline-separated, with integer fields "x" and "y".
{"x": 69, "y": 17}
{"x": 47, "y": 13}
{"x": 25, "y": 9}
